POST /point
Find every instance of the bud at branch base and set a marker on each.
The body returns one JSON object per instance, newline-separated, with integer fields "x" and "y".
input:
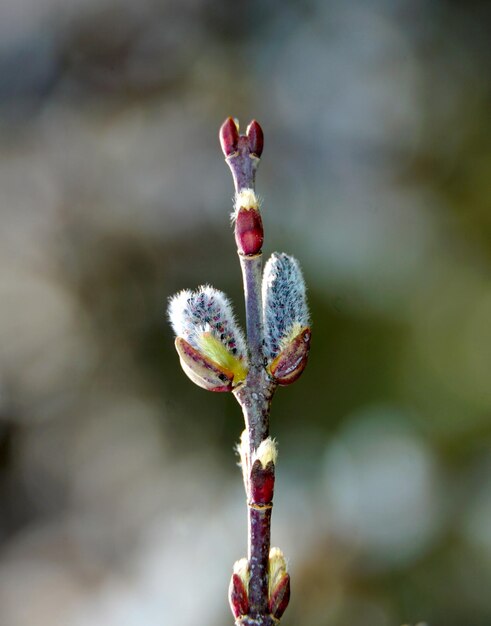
{"x": 292, "y": 360}
{"x": 237, "y": 595}
{"x": 280, "y": 597}
{"x": 238, "y": 589}
{"x": 279, "y": 583}
{"x": 202, "y": 370}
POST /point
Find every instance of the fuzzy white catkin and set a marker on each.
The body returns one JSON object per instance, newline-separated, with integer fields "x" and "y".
{"x": 193, "y": 313}
{"x": 285, "y": 307}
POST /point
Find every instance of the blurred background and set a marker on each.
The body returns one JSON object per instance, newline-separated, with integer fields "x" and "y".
{"x": 120, "y": 500}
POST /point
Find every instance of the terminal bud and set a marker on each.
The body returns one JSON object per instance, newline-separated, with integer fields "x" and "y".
{"x": 256, "y": 138}
{"x": 229, "y": 137}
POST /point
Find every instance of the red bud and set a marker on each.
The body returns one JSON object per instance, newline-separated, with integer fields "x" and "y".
{"x": 237, "y": 595}
{"x": 249, "y": 233}
{"x": 262, "y": 483}
{"x": 280, "y": 597}
{"x": 229, "y": 137}
{"x": 256, "y": 138}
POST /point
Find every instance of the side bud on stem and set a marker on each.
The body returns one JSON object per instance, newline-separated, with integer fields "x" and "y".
{"x": 249, "y": 232}
{"x": 261, "y": 477}
{"x": 258, "y": 471}
{"x": 286, "y": 319}
{"x": 238, "y": 590}
{"x": 279, "y": 583}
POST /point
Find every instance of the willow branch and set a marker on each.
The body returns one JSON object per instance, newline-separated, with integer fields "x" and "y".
{"x": 215, "y": 355}
{"x": 254, "y": 396}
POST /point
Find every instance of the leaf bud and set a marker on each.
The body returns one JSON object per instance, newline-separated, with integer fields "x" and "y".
{"x": 262, "y": 472}
{"x": 249, "y": 232}
{"x": 256, "y": 138}
{"x": 229, "y": 136}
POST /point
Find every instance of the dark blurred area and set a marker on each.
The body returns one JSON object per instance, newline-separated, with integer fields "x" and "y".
{"x": 120, "y": 500}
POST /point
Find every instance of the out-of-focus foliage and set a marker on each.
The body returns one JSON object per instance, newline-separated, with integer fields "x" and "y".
{"x": 120, "y": 502}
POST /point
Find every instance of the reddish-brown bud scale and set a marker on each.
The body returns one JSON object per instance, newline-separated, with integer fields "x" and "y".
{"x": 280, "y": 597}
{"x": 249, "y": 232}
{"x": 291, "y": 361}
{"x": 229, "y": 137}
{"x": 262, "y": 483}
{"x": 202, "y": 370}
{"x": 237, "y": 595}
{"x": 256, "y": 138}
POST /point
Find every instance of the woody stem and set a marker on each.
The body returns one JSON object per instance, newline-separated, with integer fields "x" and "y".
{"x": 254, "y": 397}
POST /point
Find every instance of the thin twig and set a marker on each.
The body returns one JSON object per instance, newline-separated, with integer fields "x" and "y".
{"x": 254, "y": 397}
